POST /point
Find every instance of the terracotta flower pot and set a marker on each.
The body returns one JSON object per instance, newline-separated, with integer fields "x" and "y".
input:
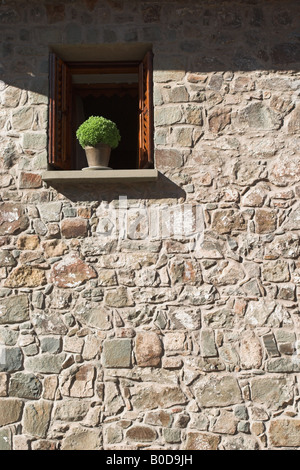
{"x": 98, "y": 157}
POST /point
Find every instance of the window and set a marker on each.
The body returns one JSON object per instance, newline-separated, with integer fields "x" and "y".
{"x": 120, "y": 91}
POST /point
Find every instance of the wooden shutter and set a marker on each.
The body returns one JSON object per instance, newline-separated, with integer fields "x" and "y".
{"x": 60, "y": 94}
{"x": 146, "y": 112}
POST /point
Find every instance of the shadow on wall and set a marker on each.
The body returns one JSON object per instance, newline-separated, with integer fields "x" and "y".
{"x": 163, "y": 188}
{"x": 206, "y": 36}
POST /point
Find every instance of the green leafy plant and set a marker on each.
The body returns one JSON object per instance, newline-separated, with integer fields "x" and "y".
{"x": 97, "y": 129}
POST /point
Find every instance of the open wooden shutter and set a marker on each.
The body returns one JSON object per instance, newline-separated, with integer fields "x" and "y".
{"x": 60, "y": 94}
{"x": 146, "y": 112}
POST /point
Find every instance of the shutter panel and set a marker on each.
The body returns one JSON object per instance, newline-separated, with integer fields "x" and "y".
{"x": 60, "y": 92}
{"x": 146, "y": 112}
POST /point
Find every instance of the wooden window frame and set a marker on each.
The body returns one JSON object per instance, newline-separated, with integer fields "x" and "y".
{"x": 61, "y": 105}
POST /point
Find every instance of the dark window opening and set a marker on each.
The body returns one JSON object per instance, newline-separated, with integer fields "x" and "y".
{"x": 120, "y": 105}
{"x": 120, "y": 91}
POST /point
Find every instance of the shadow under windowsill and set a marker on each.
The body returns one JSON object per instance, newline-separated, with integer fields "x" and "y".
{"x": 97, "y": 185}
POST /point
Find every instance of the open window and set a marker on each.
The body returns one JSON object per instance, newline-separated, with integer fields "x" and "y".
{"x": 120, "y": 91}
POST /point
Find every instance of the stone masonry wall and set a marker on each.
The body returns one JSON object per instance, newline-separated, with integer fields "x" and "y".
{"x": 144, "y": 342}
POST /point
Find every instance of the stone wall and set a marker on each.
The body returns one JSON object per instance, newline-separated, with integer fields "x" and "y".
{"x": 145, "y": 342}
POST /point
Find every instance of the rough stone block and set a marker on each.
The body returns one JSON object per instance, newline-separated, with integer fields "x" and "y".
{"x": 176, "y": 94}
{"x": 53, "y": 248}
{"x": 11, "y": 359}
{"x": 50, "y": 344}
{"x": 30, "y": 181}
{"x": 50, "y": 386}
{"x": 248, "y": 172}
{"x": 34, "y": 140}
{"x": 148, "y": 349}
{"x": 50, "y": 212}
{"x": 95, "y": 317}
{"x": 25, "y": 386}
{"x": 285, "y": 171}
{"x": 166, "y": 116}
{"x": 22, "y": 118}
{"x": 21, "y": 442}
{"x": 265, "y": 221}
{"x": 207, "y": 343}
{"x": 258, "y": 312}
{"x": 37, "y": 418}
{"x": 215, "y": 390}
{"x": 219, "y": 119}
{"x": 174, "y": 341}
{"x": 79, "y": 438}
{"x": 48, "y": 324}
{"x": 113, "y": 400}
{"x": 28, "y": 242}
{"x": 259, "y": 117}
{"x": 45, "y": 364}
{"x": 283, "y": 365}
{"x": 71, "y": 410}
{"x": 74, "y": 228}
{"x": 226, "y": 221}
{"x": 285, "y": 433}
{"x": 11, "y": 96}
{"x": 44, "y": 444}
{"x": 10, "y": 411}
{"x": 80, "y": 383}
{"x": 159, "y": 418}
{"x": 14, "y": 310}
{"x": 201, "y": 441}
{"x": 270, "y": 345}
{"x": 276, "y": 271}
{"x": 251, "y": 354}
{"x": 168, "y": 158}
{"x": 26, "y": 276}
{"x": 272, "y": 392}
{"x": 71, "y": 272}
{"x": 184, "y": 318}
{"x": 226, "y": 423}
{"x": 6, "y": 439}
{"x": 118, "y": 298}
{"x": 293, "y": 220}
{"x": 141, "y": 434}
{"x": 12, "y": 219}
{"x": 157, "y": 396}
{"x": 172, "y": 362}
{"x": 3, "y": 384}
{"x": 117, "y": 353}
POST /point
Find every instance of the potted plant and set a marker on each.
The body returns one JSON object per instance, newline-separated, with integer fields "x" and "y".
{"x": 97, "y": 136}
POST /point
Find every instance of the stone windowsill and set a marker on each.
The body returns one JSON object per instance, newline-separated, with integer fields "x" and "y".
{"x": 100, "y": 176}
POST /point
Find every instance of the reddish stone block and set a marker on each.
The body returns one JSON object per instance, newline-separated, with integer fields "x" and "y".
{"x": 71, "y": 272}
{"x": 30, "y": 181}
{"x": 74, "y": 228}
{"x": 148, "y": 349}
{"x": 12, "y": 219}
